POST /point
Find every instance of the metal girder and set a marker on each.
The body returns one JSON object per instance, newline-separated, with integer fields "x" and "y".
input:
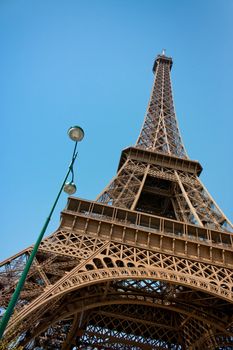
{"x": 129, "y": 269}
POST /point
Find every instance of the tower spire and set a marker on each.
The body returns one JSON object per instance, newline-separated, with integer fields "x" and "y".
{"x": 160, "y": 132}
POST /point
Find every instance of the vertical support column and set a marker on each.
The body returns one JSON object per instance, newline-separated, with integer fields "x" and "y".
{"x": 192, "y": 209}
{"x": 140, "y": 188}
{"x": 74, "y": 332}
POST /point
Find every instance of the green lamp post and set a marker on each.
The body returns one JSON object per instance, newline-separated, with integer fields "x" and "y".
{"x": 76, "y": 134}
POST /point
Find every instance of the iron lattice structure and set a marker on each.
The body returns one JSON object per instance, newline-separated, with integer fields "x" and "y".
{"x": 148, "y": 265}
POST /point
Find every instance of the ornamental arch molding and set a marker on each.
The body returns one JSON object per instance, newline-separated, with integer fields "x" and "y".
{"x": 86, "y": 278}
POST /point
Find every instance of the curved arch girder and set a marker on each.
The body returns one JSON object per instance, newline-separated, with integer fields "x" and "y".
{"x": 83, "y": 279}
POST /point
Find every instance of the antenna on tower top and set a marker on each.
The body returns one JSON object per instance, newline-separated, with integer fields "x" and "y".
{"x": 163, "y": 52}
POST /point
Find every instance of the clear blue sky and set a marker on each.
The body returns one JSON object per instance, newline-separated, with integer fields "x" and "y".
{"x": 86, "y": 62}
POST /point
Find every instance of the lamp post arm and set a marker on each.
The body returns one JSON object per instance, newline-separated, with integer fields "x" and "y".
{"x": 22, "y": 279}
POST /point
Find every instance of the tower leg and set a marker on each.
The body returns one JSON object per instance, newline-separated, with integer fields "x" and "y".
{"x": 74, "y": 333}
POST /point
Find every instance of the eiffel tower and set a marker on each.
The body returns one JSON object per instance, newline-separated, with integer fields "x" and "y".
{"x": 148, "y": 265}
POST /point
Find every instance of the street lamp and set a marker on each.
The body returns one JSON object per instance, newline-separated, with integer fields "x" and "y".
{"x": 76, "y": 134}
{"x": 69, "y": 187}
